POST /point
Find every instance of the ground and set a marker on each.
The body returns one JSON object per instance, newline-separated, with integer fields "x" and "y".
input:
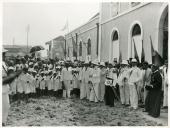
{"x": 47, "y": 111}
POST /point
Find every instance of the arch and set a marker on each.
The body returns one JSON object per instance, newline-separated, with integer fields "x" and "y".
{"x": 163, "y": 13}
{"x": 114, "y": 37}
{"x": 134, "y": 25}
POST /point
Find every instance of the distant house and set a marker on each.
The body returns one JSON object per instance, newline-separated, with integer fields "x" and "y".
{"x": 15, "y": 50}
{"x": 56, "y": 48}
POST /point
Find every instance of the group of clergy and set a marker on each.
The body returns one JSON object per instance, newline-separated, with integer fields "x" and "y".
{"x": 95, "y": 81}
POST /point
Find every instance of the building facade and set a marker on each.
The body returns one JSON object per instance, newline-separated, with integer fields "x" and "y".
{"x": 118, "y": 28}
{"x": 56, "y": 48}
{"x": 16, "y": 50}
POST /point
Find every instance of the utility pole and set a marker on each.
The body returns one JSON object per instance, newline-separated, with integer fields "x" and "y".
{"x": 13, "y": 41}
{"x": 28, "y": 29}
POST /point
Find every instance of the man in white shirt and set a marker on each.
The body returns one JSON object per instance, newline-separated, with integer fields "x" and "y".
{"x": 134, "y": 78}
{"x": 123, "y": 83}
{"x": 6, "y": 80}
{"x": 94, "y": 94}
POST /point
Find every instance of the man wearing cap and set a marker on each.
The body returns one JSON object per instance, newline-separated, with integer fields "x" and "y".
{"x": 134, "y": 78}
{"x": 7, "y": 78}
{"x": 94, "y": 94}
{"x": 102, "y": 80}
{"x": 123, "y": 83}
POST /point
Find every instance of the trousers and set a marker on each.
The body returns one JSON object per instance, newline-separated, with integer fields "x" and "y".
{"x": 133, "y": 96}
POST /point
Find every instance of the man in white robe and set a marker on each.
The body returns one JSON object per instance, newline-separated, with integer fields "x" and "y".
{"x": 134, "y": 78}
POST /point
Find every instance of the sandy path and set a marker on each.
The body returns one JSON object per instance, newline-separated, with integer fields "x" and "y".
{"x": 54, "y": 112}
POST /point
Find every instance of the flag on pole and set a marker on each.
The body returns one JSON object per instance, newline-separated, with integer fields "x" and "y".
{"x": 135, "y": 51}
{"x": 65, "y": 26}
{"x": 74, "y": 47}
{"x": 142, "y": 54}
{"x": 156, "y": 58}
{"x": 120, "y": 56}
{"x": 28, "y": 28}
{"x": 68, "y": 52}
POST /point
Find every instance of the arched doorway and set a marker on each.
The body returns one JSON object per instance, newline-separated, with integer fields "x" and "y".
{"x": 136, "y": 40}
{"x": 163, "y": 32}
{"x": 115, "y": 46}
{"x": 165, "y": 38}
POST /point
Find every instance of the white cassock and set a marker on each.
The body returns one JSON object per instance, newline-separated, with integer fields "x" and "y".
{"x": 66, "y": 77}
{"x": 124, "y": 86}
{"x": 134, "y": 78}
{"x": 102, "y": 85}
{"x": 82, "y": 83}
{"x": 42, "y": 82}
{"x": 20, "y": 83}
{"x": 85, "y": 80}
{"x": 94, "y": 94}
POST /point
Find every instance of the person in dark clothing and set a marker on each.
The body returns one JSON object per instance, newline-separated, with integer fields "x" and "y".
{"x": 154, "y": 95}
{"x": 110, "y": 83}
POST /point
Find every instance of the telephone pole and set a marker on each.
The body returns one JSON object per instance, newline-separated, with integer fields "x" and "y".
{"x": 28, "y": 29}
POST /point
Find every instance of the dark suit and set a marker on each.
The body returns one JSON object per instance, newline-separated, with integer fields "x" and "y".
{"x": 154, "y": 95}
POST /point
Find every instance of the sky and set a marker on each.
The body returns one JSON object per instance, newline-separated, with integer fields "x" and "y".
{"x": 46, "y": 20}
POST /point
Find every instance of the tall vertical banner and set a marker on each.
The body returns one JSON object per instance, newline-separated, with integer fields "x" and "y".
{"x": 156, "y": 58}
{"x": 135, "y": 52}
{"x": 142, "y": 54}
{"x": 74, "y": 47}
{"x": 120, "y": 57}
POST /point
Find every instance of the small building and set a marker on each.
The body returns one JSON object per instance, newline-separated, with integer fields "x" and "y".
{"x": 15, "y": 50}
{"x": 56, "y": 48}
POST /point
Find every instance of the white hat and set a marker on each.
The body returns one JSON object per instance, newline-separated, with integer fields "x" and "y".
{"x": 4, "y": 50}
{"x": 124, "y": 62}
{"x": 30, "y": 63}
{"x": 11, "y": 68}
{"x": 102, "y": 63}
{"x": 134, "y": 60}
{"x": 95, "y": 62}
{"x": 34, "y": 71}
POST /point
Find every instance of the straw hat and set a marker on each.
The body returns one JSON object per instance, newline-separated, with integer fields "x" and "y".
{"x": 102, "y": 64}
{"x": 4, "y": 50}
{"x": 134, "y": 60}
{"x": 124, "y": 62}
{"x": 95, "y": 62}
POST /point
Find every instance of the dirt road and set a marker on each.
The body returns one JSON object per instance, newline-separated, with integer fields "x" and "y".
{"x": 68, "y": 112}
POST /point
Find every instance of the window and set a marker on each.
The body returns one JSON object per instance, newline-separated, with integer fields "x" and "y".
{"x": 89, "y": 47}
{"x": 80, "y": 49}
{"x": 115, "y": 46}
{"x": 115, "y": 36}
{"x": 136, "y": 30}
{"x": 133, "y": 4}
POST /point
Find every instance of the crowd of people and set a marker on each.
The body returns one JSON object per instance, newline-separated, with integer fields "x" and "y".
{"x": 133, "y": 84}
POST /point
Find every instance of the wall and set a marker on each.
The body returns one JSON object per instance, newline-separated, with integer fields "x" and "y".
{"x": 146, "y": 15}
{"x": 86, "y": 31}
